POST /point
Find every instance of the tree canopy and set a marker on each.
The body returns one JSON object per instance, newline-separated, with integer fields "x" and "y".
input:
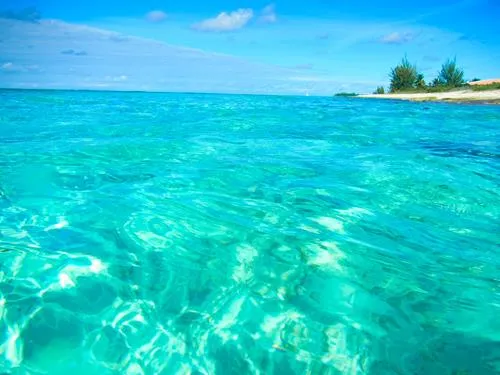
{"x": 406, "y": 77}
{"x": 403, "y": 76}
{"x": 451, "y": 75}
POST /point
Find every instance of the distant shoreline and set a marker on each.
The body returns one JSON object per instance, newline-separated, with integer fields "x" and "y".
{"x": 462, "y": 96}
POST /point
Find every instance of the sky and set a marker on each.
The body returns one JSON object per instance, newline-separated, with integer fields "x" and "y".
{"x": 315, "y": 47}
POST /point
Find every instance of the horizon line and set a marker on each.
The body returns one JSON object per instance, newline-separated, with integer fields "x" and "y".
{"x": 160, "y": 92}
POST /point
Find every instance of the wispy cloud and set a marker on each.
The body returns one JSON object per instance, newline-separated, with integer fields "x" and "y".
{"x": 156, "y": 16}
{"x": 74, "y": 52}
{"x": 268, "y": 14}
{"x": 118, "y": 38}
{"x": 397, "y": 38}
{"x": 226, "y": 21}
{"x": 165, "y": 67}
{"x": 7, "y": 67}
{"x": 121, "y": 78}
{"x": 116, "y": 65}
{"x": 27, "y": 14}
{"x": 10, "y": 67}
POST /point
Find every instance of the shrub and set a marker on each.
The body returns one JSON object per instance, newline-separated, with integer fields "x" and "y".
{"x": 439, "y": 88}
{"x": 436, "y": 82}
{"x": 403, "y": 76}
{"x": 451, "y": 75}
{"x": 380, "y": 90}
{"x": 491, "y": 86}
{"x": 346, "y": 94}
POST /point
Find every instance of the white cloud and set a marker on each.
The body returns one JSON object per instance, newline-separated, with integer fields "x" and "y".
{"x": 156, "y": 16}
{"x": 226, "y": 21}
{"x": 268, "y": 14}
{"x": 141, "y": 62}
{"x": 397, "y": 38}
{"x": 8, "y": 66}
{"x": 121, "y": 78}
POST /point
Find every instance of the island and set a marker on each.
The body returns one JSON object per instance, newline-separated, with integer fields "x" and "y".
{"x": 407, "y": 83}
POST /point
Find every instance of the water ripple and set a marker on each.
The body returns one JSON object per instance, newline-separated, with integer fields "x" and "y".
{"x": 211, "y": 234}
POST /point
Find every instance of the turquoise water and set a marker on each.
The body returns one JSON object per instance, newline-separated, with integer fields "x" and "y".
{"x": 211, "y": 234}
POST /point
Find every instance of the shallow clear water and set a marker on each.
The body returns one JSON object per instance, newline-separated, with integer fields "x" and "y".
{"x": 210, "y": 234}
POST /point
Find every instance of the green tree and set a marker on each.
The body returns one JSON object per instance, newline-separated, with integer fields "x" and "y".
{"x": 420, "y": 82}
{"x": 403, "y": 76}
{"x": 436, "y": 82}
{"x": 380, "y": 90}
{"x": 451, "y": 75}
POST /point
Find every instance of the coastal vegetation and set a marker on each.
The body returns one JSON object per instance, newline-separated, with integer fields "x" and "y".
{"x": 347, "y": 94}
{"x": 403, "y": 76}
{"x": 491, "y": 86}
{"x": 406, "y": 78}
{"x": 451, "y": 75}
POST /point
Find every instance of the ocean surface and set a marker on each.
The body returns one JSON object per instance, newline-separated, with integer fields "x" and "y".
{"x": 148, "y": 233}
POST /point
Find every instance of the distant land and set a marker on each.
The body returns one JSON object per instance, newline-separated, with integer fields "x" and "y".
{"x": 407, "y": 82}
{"x": 467, "y": 95}
{"x": 486, "y": 91}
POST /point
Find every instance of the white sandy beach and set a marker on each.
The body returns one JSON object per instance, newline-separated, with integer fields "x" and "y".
{"x": 490, "y": 96}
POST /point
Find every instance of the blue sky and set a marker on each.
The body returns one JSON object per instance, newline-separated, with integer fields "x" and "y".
{"x": 290, "y": 47}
